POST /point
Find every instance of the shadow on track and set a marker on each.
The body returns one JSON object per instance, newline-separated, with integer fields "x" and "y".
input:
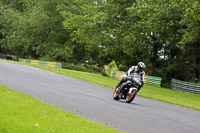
{"x": 123, "y": 101}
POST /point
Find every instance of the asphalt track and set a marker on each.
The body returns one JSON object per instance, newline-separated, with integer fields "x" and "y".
{"x": 95, "y": 102}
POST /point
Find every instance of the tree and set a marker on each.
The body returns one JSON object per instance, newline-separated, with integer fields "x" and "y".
{"x": 99, "y": 27}
{"x": 191, "y": 37}
{"x": 35, "y": 30}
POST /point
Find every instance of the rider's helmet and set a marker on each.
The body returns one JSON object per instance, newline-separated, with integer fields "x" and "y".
{"x": 141, "y": 66}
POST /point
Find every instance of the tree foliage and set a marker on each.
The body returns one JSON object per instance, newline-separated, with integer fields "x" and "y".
{"x": 165, "y": 34}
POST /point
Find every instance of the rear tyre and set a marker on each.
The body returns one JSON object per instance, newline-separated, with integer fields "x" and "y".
{"x": 115, "y": 95}
{"x": 131, "y": 96}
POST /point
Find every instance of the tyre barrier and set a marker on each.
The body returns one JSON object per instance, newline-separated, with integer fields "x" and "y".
{"x": 42, "y": 63}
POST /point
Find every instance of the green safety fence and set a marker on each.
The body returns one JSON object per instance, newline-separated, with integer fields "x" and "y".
{"x": 43, "y": 63}
{"x": 185, "y": 86}
{"x": 28, "y": 61}
{"x": 154, "y": 80}
{"x": 148, "y": 79}
{"x": 58, "y": 65}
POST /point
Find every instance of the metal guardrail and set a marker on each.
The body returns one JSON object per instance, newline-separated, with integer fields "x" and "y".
{"x": 148, "y": 79}
{"x": 185, "y": 86}
{"x": 154, "y": 80}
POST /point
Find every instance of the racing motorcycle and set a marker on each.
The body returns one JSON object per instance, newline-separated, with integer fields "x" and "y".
{"x": 129, "y": 89}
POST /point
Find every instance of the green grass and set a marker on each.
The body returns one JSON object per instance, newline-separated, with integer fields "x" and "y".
{"x": 20, "y": 113}
{"x": 188, "y": 100}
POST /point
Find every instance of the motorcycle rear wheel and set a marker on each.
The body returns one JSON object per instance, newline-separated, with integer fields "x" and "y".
{"x": 131, "y": 96}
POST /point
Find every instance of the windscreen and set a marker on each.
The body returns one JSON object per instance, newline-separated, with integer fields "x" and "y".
{"x": 135, "y": 75}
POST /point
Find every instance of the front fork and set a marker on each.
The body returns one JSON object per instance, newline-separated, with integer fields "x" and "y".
{"x": 131, "y": 89}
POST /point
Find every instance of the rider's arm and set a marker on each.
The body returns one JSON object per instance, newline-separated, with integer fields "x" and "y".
{"x": 142, "y": 78}
{"x": 130, "y": 70}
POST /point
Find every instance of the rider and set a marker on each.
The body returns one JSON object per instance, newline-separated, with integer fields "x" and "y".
{"x": 134, "y": 69}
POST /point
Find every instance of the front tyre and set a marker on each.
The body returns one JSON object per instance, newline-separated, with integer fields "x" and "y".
{"x": 115, "y": 95}
{"x": 131, "y": 96}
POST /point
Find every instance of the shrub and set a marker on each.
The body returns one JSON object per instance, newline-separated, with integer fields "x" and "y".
{"x": 108, "y": 68}
{"x": 106, "y": 71}
{"x": 83, "y": 68}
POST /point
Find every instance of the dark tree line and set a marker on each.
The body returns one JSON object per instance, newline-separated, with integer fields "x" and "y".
{"x": 164, "y": 34}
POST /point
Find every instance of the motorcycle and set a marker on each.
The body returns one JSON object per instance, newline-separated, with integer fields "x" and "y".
{"x": 129, "y": 89}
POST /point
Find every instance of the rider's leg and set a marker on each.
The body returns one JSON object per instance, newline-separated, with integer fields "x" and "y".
{"x": 124, "y": 79}
{"x": 140, "y": 86}
{"x": 138, "y": 89}
{"x": 121, "y": 81}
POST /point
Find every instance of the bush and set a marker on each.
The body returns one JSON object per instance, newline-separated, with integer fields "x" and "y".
{"x": 166, "y": 85}
{"x": 83, "y": 68}
{"x": 113, "y": 65}
{"x": 123, "y": 67}
{"x": 108, "y": 68}
{"x": 106, "y": 71}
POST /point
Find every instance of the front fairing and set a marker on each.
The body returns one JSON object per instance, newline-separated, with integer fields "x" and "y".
{"x": 137, "y": 82}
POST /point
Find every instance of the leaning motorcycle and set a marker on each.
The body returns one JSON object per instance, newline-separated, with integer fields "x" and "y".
{"x": 129, "y": 89}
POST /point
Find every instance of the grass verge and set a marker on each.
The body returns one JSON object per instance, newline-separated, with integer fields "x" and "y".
{"x": 20, "y": 113}
{"x": 188, "y": 100}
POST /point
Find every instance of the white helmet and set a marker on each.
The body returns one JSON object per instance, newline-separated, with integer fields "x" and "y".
{"x": 141, "y": 66}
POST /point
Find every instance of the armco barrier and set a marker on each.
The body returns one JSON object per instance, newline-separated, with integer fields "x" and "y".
{"x": 147, "y": 79}
{"x": 43, "y": 63}
{"x": 185, "y": 86}
{"x": 154, "y": 80}
{"x": 34, "y": 62}
{"x": 58, "y": 65}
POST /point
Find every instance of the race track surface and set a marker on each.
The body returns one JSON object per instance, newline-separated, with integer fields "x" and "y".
{"x": 95, "y": 102}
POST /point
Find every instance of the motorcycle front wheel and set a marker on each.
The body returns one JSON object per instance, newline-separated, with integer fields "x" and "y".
{"x": 115, "y": 95}
{"x": 131, "y": 96}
